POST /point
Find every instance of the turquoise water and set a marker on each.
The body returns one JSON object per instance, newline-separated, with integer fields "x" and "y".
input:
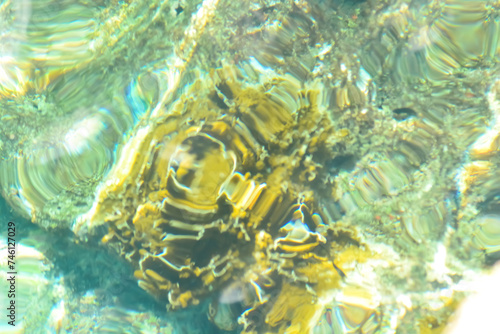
{"x": 249, "y": 167}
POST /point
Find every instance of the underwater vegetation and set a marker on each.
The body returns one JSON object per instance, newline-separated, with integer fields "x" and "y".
{"x": 268, "y": 166}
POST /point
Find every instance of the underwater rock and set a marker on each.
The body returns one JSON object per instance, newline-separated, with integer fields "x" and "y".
{"x": 187, "y": 199}
{"x": 56, "y": 142}
{"x": 354, "y": 310}
{"x": 487, "y": 237}
{"x": 42, "y": 187}
{"x": 35, "y": 292}
{"x": 41, "y": 47}
{"x": 477, "y": 181}
{"x": 431, "y": 41}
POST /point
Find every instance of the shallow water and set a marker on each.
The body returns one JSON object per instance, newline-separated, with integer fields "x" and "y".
{"x": 249, "y": 167}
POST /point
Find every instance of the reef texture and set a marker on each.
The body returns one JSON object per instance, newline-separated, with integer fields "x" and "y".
{"x": 223, "y": 188}
{"x": 302, "y": 166}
